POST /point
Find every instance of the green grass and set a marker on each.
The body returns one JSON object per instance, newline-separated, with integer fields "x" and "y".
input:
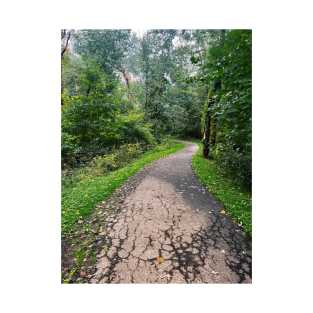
{"x": 78, "y": 201}
{"x": 237, "y": 203}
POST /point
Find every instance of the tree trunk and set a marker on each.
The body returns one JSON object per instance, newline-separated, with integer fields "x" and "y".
{"x": 207, "y": 129}
{"x": 88, "y": 90}
{"x": 206, "y": 141}
{"x": 63, "y": 34}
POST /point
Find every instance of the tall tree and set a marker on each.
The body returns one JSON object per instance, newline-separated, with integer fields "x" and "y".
{"x": 157, "y": 65}
{"x": 107, "y": 47}
{"x": 65, "y": 38}
{"x": 228, "y": 66}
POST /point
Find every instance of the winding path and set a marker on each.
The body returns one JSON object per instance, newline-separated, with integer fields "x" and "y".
{"x": 168, "y": 229}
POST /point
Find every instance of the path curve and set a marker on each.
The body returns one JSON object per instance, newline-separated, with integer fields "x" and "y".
{"x": 168, "y": 229}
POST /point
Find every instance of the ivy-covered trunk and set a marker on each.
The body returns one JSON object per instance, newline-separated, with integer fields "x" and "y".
{"x": 207, "y": 128}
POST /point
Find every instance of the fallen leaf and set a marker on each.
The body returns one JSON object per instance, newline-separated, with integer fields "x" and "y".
{"x": 222, "y": 211}
{"x": 160, "y": 259}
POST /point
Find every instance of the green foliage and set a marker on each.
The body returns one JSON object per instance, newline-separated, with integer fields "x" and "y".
{"x": 234, "y": 163}
{"x": 122, "y": 94}
{"x": 236, "y": 201}
{"x": 107, "y": 47}
{"x": 128, "y": 152}
{"x": 79, "y": 200}
{"x": 172, "y": 103}
{"x": 227, "y": 72}
{"x": 94, "y": 115}
{"x": 134, "y": 128}
{"x": 103, "y": 164}
{"x": 69, "y": 148}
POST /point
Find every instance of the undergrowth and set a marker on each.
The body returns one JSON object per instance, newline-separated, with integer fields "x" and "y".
{"x": 237, "y": 202}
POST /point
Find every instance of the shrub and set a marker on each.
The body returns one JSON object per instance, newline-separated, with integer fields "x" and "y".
{"x": 134, "y": 129}
{"x": 68, "y": 149}
{"x": 126, "y": 153}
{"x": 104, "y": 164}
{"x": 234, "y": 163}
{"x": 144, "y": 133}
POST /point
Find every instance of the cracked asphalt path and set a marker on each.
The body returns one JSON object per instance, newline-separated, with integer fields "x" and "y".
{"x": 168, "y": 229}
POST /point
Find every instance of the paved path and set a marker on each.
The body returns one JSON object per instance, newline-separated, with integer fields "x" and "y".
{"x": 168, "y": 229}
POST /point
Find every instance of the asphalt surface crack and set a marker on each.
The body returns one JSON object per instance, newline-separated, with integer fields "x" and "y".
{"x": 168, "y": 229}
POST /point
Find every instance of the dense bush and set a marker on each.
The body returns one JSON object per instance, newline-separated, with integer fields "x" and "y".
{"x": 94, "y": 119}
{"x": 103, "y": 164}
{"x": 227, "y": 71}
{"x": 69, "y": 149}
{"x": 234, "y": 163}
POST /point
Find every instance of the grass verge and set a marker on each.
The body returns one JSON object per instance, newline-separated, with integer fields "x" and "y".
{"x": 237, "y": 203}
{"x": 79, "y": 201}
